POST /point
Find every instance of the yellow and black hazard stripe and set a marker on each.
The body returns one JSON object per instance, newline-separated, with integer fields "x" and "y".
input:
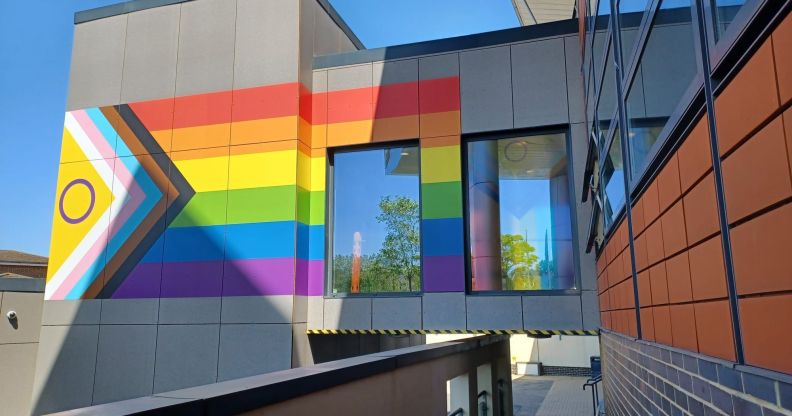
{"x": 532, "y": 332}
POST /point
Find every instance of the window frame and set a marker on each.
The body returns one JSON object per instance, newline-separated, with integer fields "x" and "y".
{"x": 509, "y": 134}
{"x": 330, "y": 211}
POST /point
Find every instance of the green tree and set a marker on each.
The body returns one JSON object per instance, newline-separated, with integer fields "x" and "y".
{"x": 519, "y": 263}
{"x": 399, "y": 259}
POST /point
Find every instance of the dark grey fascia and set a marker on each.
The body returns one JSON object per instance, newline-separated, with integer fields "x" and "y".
{"x": 479, "y": 40}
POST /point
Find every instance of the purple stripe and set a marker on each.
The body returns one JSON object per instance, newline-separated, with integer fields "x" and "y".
{"x": 253, "y": 277}
{"x": 142, "y": 283}
{"x": 310, "y": 277}
{"x": 191, "y": 279}
{"x": 444, "y": 274}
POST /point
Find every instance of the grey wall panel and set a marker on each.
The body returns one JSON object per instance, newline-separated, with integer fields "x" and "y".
{"x": 189, "y": 310}
{"x": 393, "y": 72}
{"x": 344, "y": 43}
{"x": 251, "y": 349}
{"x": 17, "y": 365}
{"x": 539, "y": 83}
{"x": 152, "y": 43}
{"x": 301, "y": 347}
{"x": 130, "y": 311}
{"x": 26, "y": 327}
{"x": 307, "y": 28}
{"x": 396, "y": 313}
{"x": 574, "y": 80}
{"x": 267, "y": 43}
{"x": 319, "y": 81}
{"x": 443, "y": 310}
{"x": 486, "y": 89}
{"x": 439, "y": 66}
{"x": 590, "y": 305}
{"x": 71, "y": 312}
{"x": 493, "y": 312}
{"x": 357, "y": 76}
{"x": 326, "y": 40}
{"x": 552, "y": 312}
{"x": 65, "y": 366}
{"x": 257, "y": 309}
{"x": 186, "y": 356}
{"x": 299, "y": 309}
{"x": 206, "y": 47}
{"x": 125, "y": 362}
{"x": 97, "y": 63}
{"x": 315, "y": 312}
{"x": 347, "y": 313}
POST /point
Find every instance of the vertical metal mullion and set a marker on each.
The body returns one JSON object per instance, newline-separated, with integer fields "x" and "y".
{"x": 625, "y": 150}
{"x": 719, "y": 188}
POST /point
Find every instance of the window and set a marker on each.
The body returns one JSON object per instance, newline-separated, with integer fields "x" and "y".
{"x": 375, "y": 220}
{"x": 666, "y": 69}
{"x": 613, "y": 181}
{"x": 630, "y": 14}
{"x": 519, "y": 221}
{"x": 724, "y": 12}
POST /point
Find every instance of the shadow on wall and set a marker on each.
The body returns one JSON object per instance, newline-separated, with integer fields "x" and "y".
{"x": 216, "y": 320}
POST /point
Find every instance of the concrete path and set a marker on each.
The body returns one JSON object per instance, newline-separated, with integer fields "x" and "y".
{"x": 551, "y": 396}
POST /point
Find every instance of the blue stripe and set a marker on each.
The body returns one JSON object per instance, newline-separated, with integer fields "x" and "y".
{"x": 194, "y": 243}
{"x": 261, "y": 240}
{"x": 104, "y": 127}
{"x": 310, "y": 241}
{"x": 442, "y": 237}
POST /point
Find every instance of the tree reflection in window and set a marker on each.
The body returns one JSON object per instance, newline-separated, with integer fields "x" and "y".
{"x": 376, "y": 232}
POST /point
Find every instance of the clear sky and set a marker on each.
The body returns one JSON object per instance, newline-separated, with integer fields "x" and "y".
{"x": 35, "y": 50}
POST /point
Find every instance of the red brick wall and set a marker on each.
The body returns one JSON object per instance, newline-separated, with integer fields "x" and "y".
{"x": 32, "y": 271}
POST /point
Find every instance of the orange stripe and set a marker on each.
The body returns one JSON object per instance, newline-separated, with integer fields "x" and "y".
{"x": 263, "y": 147}
{"x": 264, "y": 130}
{"x": 440, "y": 141}
{"x": 199, "y": 153}
{"x": 214, "y": 135}
{"x": 440, "y": 124}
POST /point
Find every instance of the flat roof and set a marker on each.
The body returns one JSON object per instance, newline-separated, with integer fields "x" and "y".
{"x": 136, "y": 5}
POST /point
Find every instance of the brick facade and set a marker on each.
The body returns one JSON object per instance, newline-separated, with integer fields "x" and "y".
{"x": 25, "y": 270}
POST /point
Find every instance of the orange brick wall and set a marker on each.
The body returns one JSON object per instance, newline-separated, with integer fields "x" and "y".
{"x": 681, "y": 273}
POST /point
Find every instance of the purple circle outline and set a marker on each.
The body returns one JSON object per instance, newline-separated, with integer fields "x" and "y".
{"x": 81, "y": 218}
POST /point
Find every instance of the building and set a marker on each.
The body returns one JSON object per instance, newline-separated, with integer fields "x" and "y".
{"x": 244, "y": 176}
{"x": 23, "y": 264}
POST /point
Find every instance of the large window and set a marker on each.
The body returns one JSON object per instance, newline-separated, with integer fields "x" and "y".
{"x": 613, "y": 181}
{"x": 375, "y": 209}
{"x": 666, "y": 69}
{"x": 724, "y": 12}
{"x": 519, "y": 218}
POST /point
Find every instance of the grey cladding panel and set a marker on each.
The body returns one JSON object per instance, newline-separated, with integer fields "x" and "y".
{"x": 130, "y": 311}
{"x": 574, "y": 80}
{"x": 71, "y": 312}
{"x": 552, "y": 312}
{"x": 186, "y": 356}
{"x": 348, "y": 313}
{"x": 393, "y": 72}
{"x": 251, "y": 349}
{"x": 590, "y": 304}
{"x": 152, "y": 43}
{"x": 65, "y": 368}
{"x": 17, "y": 365}
{"x": 540, "y": 94}
{"x": 438, "y": 66}
{"x": 358, "y": 76}
{"x": 396, "y": 313}
{"x": 267, "y": 43}
{"x": 189, "y": 310}
{"x": 257, "y": 309}
{"x": 443, "y": 310}
{"x": 125, "y": 362}
{"x": 26, "y": 326}
{"x": 326, "y": 40}
{"x": 486, "y": 90}
{"x": 206, "y": 47}
{"x": 97, "y": 63}
{"x": 494, "y": 312}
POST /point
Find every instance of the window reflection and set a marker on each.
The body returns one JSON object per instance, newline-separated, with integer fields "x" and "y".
{"x": 630, "y": 14}
{"x": 520, "y": 219}
{"x": 666, "y": 69}
{"x": 376, "y": 233}
{"x": 724, "y": 12}
{"x": 613, "y": 181}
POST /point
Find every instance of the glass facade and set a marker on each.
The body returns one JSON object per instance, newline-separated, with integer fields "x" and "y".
{"x": 375, "y": 221}
{"x": 613, "y": 181}
{"x": 520, "y": 223}
{"x": 724, "y": 12}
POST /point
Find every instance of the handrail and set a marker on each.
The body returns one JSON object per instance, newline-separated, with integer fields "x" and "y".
{"x": 457, "y": 412}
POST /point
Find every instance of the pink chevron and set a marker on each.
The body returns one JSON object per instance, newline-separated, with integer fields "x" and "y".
{"x": 99, "y": 141}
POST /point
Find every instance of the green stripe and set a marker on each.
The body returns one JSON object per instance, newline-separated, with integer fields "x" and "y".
{"x": 275, "y": 203}
{"x": 441, "y": 200}
{"x": 310, "y": 207}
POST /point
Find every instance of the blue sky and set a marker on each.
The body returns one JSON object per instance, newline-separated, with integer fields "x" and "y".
{"x": 35, "y": 43}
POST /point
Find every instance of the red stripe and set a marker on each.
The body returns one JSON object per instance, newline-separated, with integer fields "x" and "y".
{"x": 202, "y": 109}
{"x": 319, "y": 108}
{"x": 349, "y": 105}
{"x": 396, "y": 100}
{"x": 306, "y": 104}
{"x": 156, "y": 114}
{"x": 438, "y": 95}
{"x": 266, "y": 102}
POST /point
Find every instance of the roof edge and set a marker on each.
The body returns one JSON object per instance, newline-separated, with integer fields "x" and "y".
{"x": 478, "y": 40}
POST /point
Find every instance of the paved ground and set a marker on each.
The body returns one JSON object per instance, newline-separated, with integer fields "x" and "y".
{"x": 551, "y": 396}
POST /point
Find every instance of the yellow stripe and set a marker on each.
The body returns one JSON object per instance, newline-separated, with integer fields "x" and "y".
{"x": 440, "y": 164}
{"x": 311, "y": 172}
{"x": 263, "y": 169}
